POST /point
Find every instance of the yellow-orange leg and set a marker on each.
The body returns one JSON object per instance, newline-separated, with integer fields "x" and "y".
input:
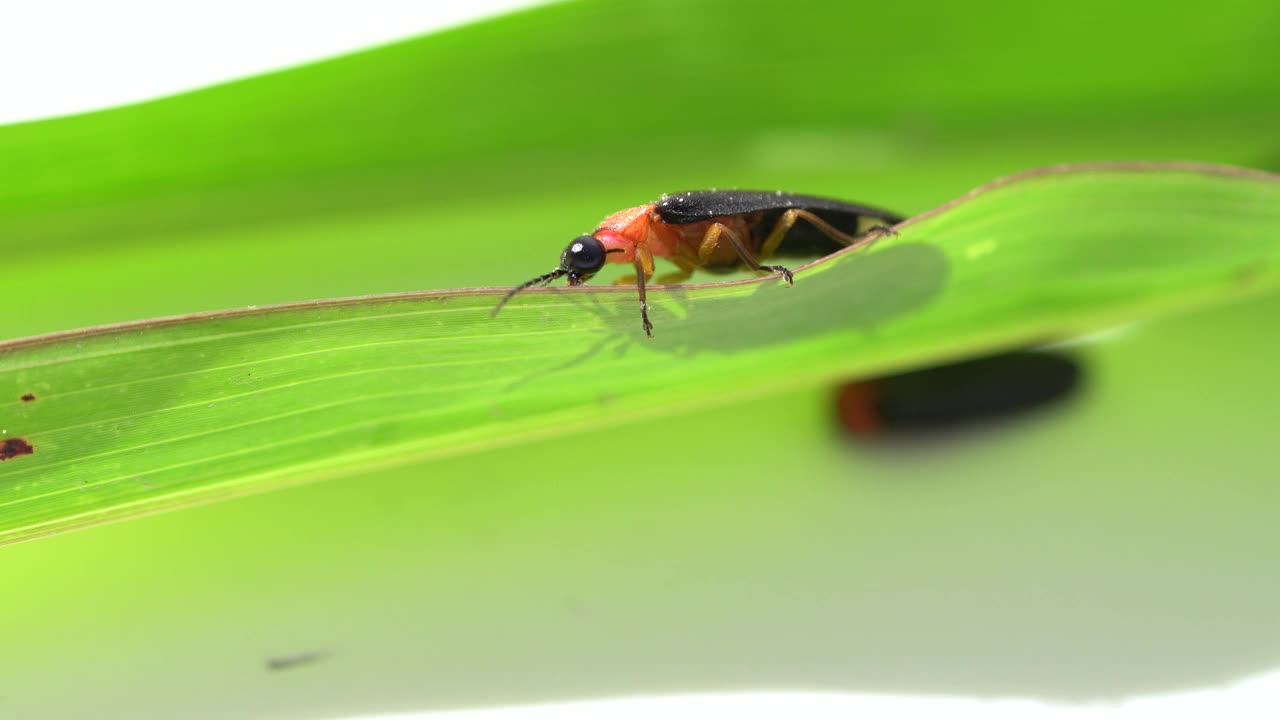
{"x": 644, "y": 306}
{"x": 712, "y": 238}
{"x": 644, "y": 268}
{"x": 780, "y": 228}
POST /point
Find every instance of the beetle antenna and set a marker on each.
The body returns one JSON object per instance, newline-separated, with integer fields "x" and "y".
{"x": 540, "y": 280}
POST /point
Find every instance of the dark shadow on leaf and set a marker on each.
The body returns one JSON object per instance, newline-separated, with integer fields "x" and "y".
{"x": 562, "y": 365}
{"x": 870, "y": 290}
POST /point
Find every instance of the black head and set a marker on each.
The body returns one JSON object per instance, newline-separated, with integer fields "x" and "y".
{"x": 582, "y": 258}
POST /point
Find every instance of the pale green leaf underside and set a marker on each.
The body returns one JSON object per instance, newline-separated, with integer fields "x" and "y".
{"x": 129, "y": 420}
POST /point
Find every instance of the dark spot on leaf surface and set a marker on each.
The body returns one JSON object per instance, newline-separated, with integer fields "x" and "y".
{"x": 285, "y": 662}
{"x": 29, "y": 397}
{"x": 13, "y": 447}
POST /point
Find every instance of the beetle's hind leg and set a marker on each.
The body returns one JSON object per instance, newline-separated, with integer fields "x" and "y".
{"x": 780, "y": 229}
{"x": 712, "y": 238}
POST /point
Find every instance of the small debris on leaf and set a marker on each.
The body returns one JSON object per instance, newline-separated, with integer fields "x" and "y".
{"x": 13, "y": 447}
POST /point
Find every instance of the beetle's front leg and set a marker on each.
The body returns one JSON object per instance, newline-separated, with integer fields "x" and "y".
{"x": 644, "y": 306}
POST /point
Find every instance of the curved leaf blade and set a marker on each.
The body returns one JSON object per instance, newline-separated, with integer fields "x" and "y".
{"x": 142, "y": 417}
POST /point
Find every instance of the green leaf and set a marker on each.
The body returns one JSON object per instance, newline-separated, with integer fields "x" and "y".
{"x": 142, "y": 417}
{"x": 728, "y": 547}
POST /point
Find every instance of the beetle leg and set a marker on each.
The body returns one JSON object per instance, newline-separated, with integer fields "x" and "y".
{"x": 644, "y": 306}
{"x": 712, "y": 237}
{"x": 644, "y": 260}
{"x": 637, "y": 278}
{"x": 780, "y": 228}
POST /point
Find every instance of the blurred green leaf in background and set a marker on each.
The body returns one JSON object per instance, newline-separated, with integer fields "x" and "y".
{"x": 691, "y": 525}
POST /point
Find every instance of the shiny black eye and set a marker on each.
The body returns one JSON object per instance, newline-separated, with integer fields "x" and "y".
{"x": 584, "y": 256}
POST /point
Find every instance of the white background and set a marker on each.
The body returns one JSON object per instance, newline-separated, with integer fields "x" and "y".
{"x": 65, "y": 56}
{"x": 61, "y": 56}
